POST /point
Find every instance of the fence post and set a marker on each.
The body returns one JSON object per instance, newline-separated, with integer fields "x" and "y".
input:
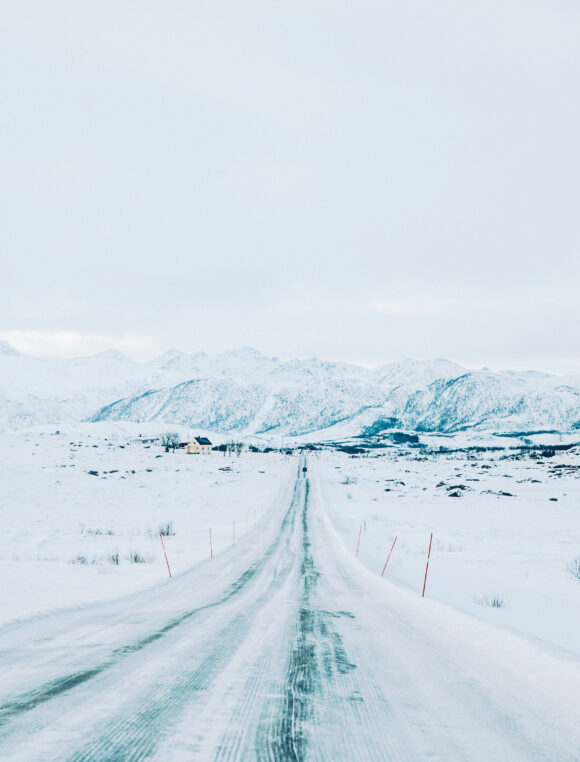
{"x": 390, "y": 551}
{"x": 165, "y": 554}
{"x": 427, "y": 567}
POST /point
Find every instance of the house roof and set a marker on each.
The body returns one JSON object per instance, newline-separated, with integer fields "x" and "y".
{"x": 202, "y": 440}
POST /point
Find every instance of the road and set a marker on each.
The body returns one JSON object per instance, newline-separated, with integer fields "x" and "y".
{"x": 284, "y": 648}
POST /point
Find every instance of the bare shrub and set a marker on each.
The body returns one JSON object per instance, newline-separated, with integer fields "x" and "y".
{"x": 574, "y": 568}
{"x": 97, "y": 532}
{"x": 167, "y": 529}
{"x": 493, "y": 601}
{"x": 136, "y": 558}
{"x": 82, "y": 560}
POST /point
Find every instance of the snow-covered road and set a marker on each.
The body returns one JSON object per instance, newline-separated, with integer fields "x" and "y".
{"x": 282, "y": 649}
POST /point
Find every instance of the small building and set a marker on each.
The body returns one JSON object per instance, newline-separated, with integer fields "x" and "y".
{"x": 147, "y": 440}
{"x": 199, "y": 446}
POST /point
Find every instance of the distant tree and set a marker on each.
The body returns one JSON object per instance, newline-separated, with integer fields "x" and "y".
{"x": 239, "y": 446}
{"x": 170, "y": 441}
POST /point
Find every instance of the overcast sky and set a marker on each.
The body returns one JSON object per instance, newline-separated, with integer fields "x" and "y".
{"x": 360, "y": 181}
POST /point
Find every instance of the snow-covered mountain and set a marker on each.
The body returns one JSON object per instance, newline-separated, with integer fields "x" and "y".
{"x": 8, "y": 350}
{"x": 246, "y": 392}
{"x": 494, "y": 401}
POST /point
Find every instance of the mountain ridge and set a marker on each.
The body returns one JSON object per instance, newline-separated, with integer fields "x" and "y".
{"x": 250, "y": 393}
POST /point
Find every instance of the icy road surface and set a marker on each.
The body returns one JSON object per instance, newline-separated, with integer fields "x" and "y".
{"x": 283, "y": 650}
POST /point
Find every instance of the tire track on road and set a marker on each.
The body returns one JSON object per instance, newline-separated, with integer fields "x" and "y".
{"x": 139, "y": 734}
{"x": 317, "y": 665}
{"x": 18, "y": 706}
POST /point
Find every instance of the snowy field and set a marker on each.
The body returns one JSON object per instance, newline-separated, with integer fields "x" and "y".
{"x": 72, "y": 537}
{"x": 285, "y": 645}
{"x": 506, "y": 532}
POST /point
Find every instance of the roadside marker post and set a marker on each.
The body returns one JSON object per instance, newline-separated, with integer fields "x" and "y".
{"x": 210, "y": 545}
{"x": 358, "y": 541}
{"x": 165, "y": 554}
{"x": 390, "y": 551}
{"x": 427, "y": 567}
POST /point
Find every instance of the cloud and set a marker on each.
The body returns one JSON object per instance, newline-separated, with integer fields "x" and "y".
{"x": 314, "y": 178}
{"x": 77, "y": 344}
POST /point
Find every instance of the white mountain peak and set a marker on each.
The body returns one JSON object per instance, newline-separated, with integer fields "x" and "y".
{"x": 245, "y": 352}
{"x": 245, "y": 391}
{"x": 7, "y": 349}
{"x": 111, "y": 354}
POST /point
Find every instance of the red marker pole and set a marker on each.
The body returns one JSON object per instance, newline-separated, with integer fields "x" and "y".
{"x": 390, "y": 551}
{"x": 358, "y": 541}
{"x": 427, "y": 567}
{"x": 210, "y": 545}
{"x": 165, "y": 554}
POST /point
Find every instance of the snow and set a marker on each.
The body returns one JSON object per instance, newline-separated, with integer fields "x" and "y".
{"x": 515, "y": 550}
{"x": 8, "y": 349}
{"x": 286, "y": 646}
{"x": 250, "y": 394}
{"x": 287, "y": 643}
{"x": 64, "y": 527}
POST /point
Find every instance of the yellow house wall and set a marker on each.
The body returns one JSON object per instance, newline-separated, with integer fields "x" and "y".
{"x": 193, "y": 448}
